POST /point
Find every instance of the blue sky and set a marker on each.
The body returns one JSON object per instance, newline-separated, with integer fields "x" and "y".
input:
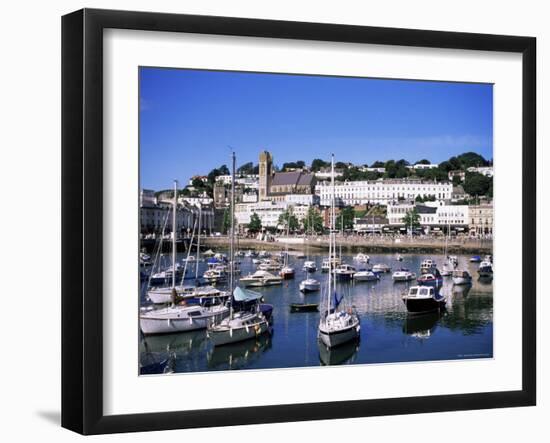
{"x": 188, "y": 119}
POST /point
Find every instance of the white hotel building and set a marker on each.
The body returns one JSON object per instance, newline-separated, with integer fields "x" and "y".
{"x": 268, "y": 211}
{"x": 382, "y": 191}
{"x": 431, "y": 214}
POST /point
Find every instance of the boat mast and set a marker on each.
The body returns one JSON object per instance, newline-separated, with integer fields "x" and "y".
{"x": 174, "y": 234}
{"x": 331, "y": 235}
{"x": 198, "y": 246}
{"x": 232, "y": 243}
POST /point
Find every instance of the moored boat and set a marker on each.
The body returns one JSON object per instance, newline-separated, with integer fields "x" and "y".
{"x": 261, "y": 278}
{"x": 344, "y": 272}
{"x": 304, "y": 307}
{"x": 403, "y": 274}
{"x": 485, "y": 269}
{"x": 365, "y": 275}
{"x": 309, "y": 266}
{"x": 432, "y": 278}
{"x": 310, "y": 285}
{"x": 381, "y": 268}
{"x": 362, "y": 258}
{"x": 421, "y": 299}
{"x": 462, "y": 277}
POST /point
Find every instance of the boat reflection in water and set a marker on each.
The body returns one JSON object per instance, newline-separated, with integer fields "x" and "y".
{"x": 238, "y": 355}
{"x": 485, "y": 279}
{"x": 421, "y": 326}
{"x": 461, "y": 290}
{"x": 338, "y": 355}
{"x": 165, "y": 354}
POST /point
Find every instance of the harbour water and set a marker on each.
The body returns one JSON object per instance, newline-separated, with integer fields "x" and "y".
{"x": 388, "y": 333}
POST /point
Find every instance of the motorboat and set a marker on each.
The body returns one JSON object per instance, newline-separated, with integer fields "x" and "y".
{"x": 310, "y": 285}
{"x": 177, "y": 318}
{"x": 461, "y": 277}
{"x": 304, "y": 307}
{"x": 421, "y": 299}
{"x": 399, "y": 257}
{"x": 362, "y": 258}
{"x": 403, "y": 274}
{"x": 488, "y": 258}
{"x": 287, "y": 272}
{"x": 432, "y": 278}
{"x": 329, "y": 264}
{"x": 344, "y": 272}
{"x": 447, "y": 270}
{"x": 214, "y": 275}
{"x": 309, "y": 266}
{"x": 365, "y": 275}
{"x": 381, "y": 268}
{"x": 485, "y": 269}
{"x": 269, "y": 265}
{"x": 453, "y": 260}
{"x": 475, "y": 259}
{"x": 427, "y": 265}
{"x": 261, "y": 278}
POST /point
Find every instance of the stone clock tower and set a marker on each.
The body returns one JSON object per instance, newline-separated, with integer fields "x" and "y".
{"x": 265, "y": 174}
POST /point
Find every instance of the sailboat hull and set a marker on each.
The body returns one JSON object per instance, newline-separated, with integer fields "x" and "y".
{"x": 151, "y": 325}
{"x": 220, "y": 337}
{"x": 332, "y": 339}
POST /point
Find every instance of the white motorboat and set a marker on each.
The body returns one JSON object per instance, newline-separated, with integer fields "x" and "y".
{"x": 403, "y": 274}
{"x": 365, "y": 275}
{"x": 330, "y": 263}
{"x": 421, "y": 299}
{"x": 362, "y": 258}
{"x": 269, "y": 265}
{"x": 336, "y": 326}
{"x": 261, "y": 278}
{"x": 309, "y": 266}
{"x": 310, "y": 285}
{"x": 427, "y": 265}
{"x": 461, "y": 277}
{"x": 381, "y": 268}
{"x": 214, "y": 275}
{"x": 485, "y": 269}
{"x": 287, "y": 272}
{"x": 344, "y": 272}
{"x": 399, "y": 257}
{"x": 177, "y": 318}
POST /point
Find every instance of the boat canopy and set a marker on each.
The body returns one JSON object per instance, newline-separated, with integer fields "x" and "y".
{"x": 245, "y": 295}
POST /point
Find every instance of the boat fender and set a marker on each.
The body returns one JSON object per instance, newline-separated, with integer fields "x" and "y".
{"x": 231, "y": 332}
{"x": 246, "y": 327}
{"x": 257, "y": 329}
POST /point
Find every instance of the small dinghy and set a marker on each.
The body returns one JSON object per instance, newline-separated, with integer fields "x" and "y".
{"x": 304, "y": 307}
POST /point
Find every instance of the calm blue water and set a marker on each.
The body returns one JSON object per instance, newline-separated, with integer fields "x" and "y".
{"x": 388, "y": 333}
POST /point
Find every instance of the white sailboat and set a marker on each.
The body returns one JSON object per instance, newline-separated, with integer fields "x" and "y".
{"x": 310, "y": 284}
{"x": 336, "y": 326}
{"x": 249, "y": 321}
{"x": 448, "y": 267}
{"x": 178, "y": 318}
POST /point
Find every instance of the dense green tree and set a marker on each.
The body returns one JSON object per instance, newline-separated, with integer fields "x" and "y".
{"x": 197, "y": 183}
{"x": 345, "y": 219}
{"x": 247, "y": 168}
{"x": 340, "y": 165}
{"x": 255, "y": 224}
{"x": 377, "y": 164}
{"x": 423, "y": 162}
{"x": 224, "y": 170}
{"x": 226, "y": 221}
{"x": 313, "y": 222}
{"x": 317, "y": 164}
{"x": 469, "y": 159}
{"x": 289, "y": 221}
{"x": 293, "y": 165}
{"x": 477, "y": 184}
{"x": 412, "y": 219}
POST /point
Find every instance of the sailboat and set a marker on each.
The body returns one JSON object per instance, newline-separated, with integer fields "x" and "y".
{"x": 287, "y": 271}
{"x": 247, "y": 318}
{"x": 163, "y": 294}
{"x": 310, "y": 284}
{"x": 336, "y": 326}
{"x": 178, "y": 318}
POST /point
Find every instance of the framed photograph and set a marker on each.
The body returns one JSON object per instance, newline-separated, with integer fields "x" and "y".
{"x": 268, "y": 221}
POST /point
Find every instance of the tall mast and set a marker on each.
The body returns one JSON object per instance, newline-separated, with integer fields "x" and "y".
{"x": 331, "y": 236}
{"x": 232, "y": 213}
{"x": 174, "y": 234}
{"x": 198, "y": 245}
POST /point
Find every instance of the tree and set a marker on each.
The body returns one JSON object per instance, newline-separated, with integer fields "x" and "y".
{"x": 313, "y": 222}
{"x": 340, "y": 165}
{"x": 224, "y": 170}
{"x": 477, "y": 184}
{"x": 377, "y": 164}
{"x": 317, "y": 164}
{"x": 345, "y": 219}
{"x": 247, "y": 168}
{"x": 289, "y": 220}
{"x": 423, "y": 162}
{"x": 255, "y": 224}
{"x": 226, "y": 221}
{"x": 412, "y": 219}
{"x": 197, "y": 183}
{"x": 419, "y": 199}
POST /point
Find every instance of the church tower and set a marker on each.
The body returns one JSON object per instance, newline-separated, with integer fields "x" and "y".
{"x": 265, "y": 174}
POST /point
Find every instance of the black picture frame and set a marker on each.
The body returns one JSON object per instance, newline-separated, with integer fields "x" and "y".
{"x": 82, "y": 187}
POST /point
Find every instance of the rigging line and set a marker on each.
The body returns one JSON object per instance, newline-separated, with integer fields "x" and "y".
{"x": 159, "y": 249}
